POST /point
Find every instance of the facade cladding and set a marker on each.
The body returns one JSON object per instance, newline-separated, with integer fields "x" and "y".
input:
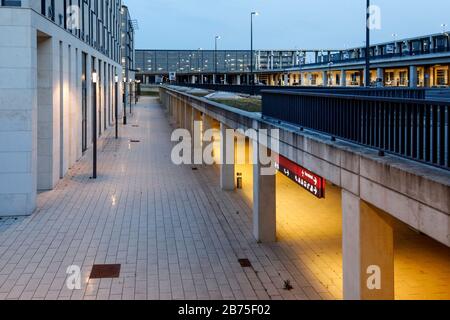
{"x": 48, "y": 94}
{"x": 192, "y": 61}
{"x": 127, "y": 43}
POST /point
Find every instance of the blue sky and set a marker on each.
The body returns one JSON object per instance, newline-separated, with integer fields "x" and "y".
{"x": 192, "y": 24}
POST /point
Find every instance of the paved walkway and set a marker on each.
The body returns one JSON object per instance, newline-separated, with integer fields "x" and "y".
{"x": 176, "y": 235}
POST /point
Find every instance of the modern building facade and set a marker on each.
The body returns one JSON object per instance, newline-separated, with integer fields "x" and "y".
{"x": 128, "y": 27}
{"x": 54, "y": 56}
{"x": 155, "y": 65}
{"x": 414, "y": 62}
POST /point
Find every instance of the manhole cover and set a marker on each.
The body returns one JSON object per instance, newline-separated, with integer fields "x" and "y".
{"x": 101, "y": 271}
{"x": 245, "y": 263}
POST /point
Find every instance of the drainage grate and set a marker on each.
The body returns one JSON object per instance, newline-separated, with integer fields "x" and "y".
{"x": 135, "y": 126}
{"x": 135, "y": 141}
{"x": 194, "y": 169}
{"x": 101, "y": 271}
{"x": 245, "y": 263}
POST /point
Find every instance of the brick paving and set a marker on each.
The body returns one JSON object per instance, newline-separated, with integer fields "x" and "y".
{"x": 176, "y": 235}
{"x": 174, "y": 232}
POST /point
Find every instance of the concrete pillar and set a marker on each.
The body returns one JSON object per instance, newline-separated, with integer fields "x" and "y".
{"x": 264, "y": 198}
{"x": 207, "y": 124}
{"x": 343, "y": 78}
{"x": 188, "y": 122}
{"x": 238, "y": 79}
{"x": 413, "y": 76}
{"x": 197, "y": 137}
{"x": 286, "y": 79}
{"x": 226, "y": 158}
{"x": 225, "y": 79}
{"x": 202, "y": 78}
{"x": 325, "y": 78}
{"x": 367, "y": 251}
{"x": 380, "y": 76}
{"x": 193, "y": 79}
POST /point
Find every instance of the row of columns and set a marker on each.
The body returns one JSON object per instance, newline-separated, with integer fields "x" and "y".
{"x": 367, "y": 244}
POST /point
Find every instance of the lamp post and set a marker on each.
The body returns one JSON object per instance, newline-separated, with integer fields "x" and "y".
{"x": 116, "y": 109}
{"x": 94, "y": 124}
{"x": 252, "y": 78}
{"x": 130, "y": 95}
{"x": 330, "y": 80}
{"x": 216, "y": 38}
{"x": 367, "y": 75}
{"x": 124, "y": 100}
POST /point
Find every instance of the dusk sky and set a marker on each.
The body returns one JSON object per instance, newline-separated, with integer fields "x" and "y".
{"x": 192, "y": 24}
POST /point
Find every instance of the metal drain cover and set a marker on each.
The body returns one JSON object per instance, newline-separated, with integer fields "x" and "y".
{"x": 245, "y": 263}
{"x": 135, "y": 141}
{"x": 101, "y": 271}
{"x": 135, "y": 126}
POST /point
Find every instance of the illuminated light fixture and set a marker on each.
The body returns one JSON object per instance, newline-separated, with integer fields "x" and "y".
{"x": 116, "y": 78}
{"x": 94, "y": 77}
{"x": 125, "y": 79}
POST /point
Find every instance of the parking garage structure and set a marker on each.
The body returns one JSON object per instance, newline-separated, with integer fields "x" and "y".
{"x": 379, "y": 215}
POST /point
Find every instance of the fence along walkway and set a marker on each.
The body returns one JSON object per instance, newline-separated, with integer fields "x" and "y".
{"x": 412, "y": 128}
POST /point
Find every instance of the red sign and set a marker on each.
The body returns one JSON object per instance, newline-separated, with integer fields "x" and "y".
{"x": 308, "y": 180}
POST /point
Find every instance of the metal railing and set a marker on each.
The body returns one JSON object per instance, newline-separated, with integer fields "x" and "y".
{"x": 411, "y": 93}
{"x": 411, "y": 128}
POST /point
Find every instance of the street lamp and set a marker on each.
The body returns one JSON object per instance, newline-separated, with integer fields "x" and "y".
{"x": 124, "y": 100}
{"x": 367, "y": 75}
{"x": 130, "y": 94}
{"x": 94, "y": 124}
{"x": 330, "y": 80}
{"x": 443, "y": 25}
{"x": 198, "y": 59}
{"x": 116, "y": 109}
{"x": 252, "y": 79}
{"x": 216, "y": 38}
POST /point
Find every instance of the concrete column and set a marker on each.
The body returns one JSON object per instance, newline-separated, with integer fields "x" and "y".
{"x": 343, "y": 78}
{"x": 226, "y": 158}
{"x": 238, "y": 79}
{"x": 193, "y": 79}
{"x": 380, "y": 75}
{"x": 201, "y": 79}
{"x": 413, "y": 76}
{"x": 368, "y": 251}
{"x": 264, "y": 198}
{"x": 188, "y": 121}
{"x": 197, "y": 137}
{"x": 207, "y": 124}
{"x": 325, "y": 78}
{"x": 286, "y": 79}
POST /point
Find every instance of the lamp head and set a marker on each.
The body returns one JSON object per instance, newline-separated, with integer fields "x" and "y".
{"x": 255, "y": 13}
{"x": 116, "y": 78}
{"x": 94, "y": 77}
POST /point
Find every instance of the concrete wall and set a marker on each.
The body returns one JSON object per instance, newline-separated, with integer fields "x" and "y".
{"x": 40, "y": 105}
